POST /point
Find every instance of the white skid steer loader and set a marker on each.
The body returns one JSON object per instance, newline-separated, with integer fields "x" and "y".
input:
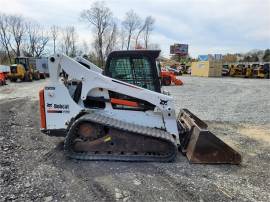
{"x": 121, "y": 115}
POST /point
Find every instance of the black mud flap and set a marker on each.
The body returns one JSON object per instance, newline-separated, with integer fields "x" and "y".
{"x": 200, "y": 145}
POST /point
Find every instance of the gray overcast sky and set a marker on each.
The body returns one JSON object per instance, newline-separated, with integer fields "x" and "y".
{"x": 208, "y": 26}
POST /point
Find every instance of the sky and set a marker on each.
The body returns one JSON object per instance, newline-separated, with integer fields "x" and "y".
{"x": 208, "y": 26}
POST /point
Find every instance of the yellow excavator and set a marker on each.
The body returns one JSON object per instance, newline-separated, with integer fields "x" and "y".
{"x": 23, "y": 69}
{"x": 236, "y": 70}
{"x": 247, "y": 72}
{"x": 241, "y": 70}
{"x": 261, "y": 71}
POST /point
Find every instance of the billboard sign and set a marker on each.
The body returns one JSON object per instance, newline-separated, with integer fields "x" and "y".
{"x": 203, "y": 57}
{"x": 180, "y": 49}
{"x": 216, "y": 57}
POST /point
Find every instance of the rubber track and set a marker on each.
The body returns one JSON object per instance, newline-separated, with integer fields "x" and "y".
{"x": 120, "y": 125}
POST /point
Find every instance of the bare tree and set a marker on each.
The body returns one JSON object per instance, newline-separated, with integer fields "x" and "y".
{"x": 85, "y": 48}
{"x": 141, "y": 29}
{"x": 42, "y": 40}
{"x": 69, "y": 37}
{"x": 122, "y": 38}
{"x": 73, "y": 37}
{"x": 100, "y": 18}
{"x": 149, "y": 26}
{"x": 32, "y": 32}
{"x": 146, "y": 27}
{"x": 54, "y": 35}
{"x": 111, "y": 40}
{"x": 37, "y": 39}
{"x": 154, "y": 46}
{"x": 131, "y": 23}
{"x": 18, "y": 35}
{"x": 93, "y": 57}
{"x": 18, "y": 30}
{"x": 5, "y": 35}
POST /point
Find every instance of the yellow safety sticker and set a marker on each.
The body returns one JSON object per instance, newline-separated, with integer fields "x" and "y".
{"x": 107, "y": 138}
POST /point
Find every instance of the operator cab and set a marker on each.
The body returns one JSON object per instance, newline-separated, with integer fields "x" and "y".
{"x": 23, "y": 61}
{"x": 137, "y": 67}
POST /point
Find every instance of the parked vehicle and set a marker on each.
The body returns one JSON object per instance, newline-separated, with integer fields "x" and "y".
{"x": 23, "y": 69}
{"x": 174, "y": 70}
{"x": 261, "y": 71}
{"x": 111, "y": 117}
{"x": 42, "y": 67}
{"x": 5, "y": 69}
{"x": 2, "y": 79}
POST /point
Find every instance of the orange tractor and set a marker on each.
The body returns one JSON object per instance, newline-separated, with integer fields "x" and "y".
{"x": 2, "y": 79}
{"x": 168, "y": 78}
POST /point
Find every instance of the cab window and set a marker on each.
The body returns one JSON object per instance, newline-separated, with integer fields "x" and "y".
{"x": 135, "y": 71}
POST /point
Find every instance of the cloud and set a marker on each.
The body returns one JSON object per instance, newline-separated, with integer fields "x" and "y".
{"x": 208, "y": 26}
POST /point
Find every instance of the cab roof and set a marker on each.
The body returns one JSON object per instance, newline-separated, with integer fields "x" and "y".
{"x": 121, "y": 53}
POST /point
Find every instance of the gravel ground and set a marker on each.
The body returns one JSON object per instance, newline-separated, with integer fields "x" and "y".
{"x": 33, "y": 167}
{"x": 226, "y": 99}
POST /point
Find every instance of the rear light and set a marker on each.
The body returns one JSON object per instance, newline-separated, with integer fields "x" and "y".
{"x": 42, "y": 109}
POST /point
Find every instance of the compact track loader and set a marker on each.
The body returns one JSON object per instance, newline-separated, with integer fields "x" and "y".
{"x": 110, "y": 117}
